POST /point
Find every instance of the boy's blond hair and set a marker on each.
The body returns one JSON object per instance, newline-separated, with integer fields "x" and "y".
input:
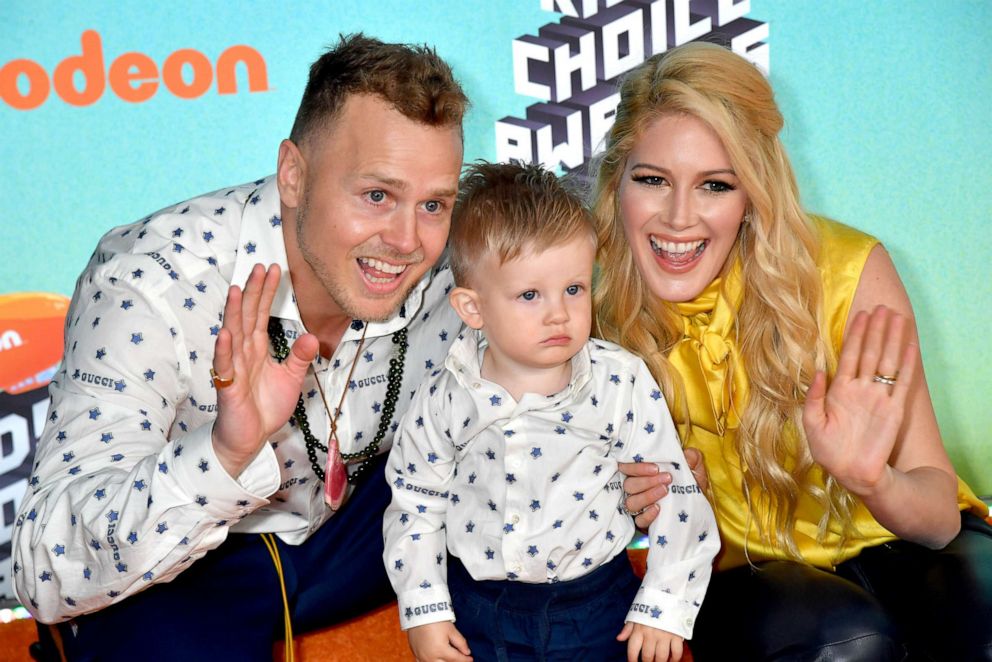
{"x": 504, "y": 208}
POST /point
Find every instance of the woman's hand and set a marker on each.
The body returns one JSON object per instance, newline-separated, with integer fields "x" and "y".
{"x": 264, "y": 392}
{"x": 881, "y": 441}
{"x": 852, "y": 425}
{"x": 645, "y": 484}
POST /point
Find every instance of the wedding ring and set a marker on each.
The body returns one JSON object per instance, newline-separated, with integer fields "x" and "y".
{"x": 623, "y": 505}
{"x": 220, "y": 382}
{"x": 885, "y": 379}
{"x": 627, "y": 511}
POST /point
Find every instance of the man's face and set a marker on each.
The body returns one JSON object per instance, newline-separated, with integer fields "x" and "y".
{"x": 374, "y": 207}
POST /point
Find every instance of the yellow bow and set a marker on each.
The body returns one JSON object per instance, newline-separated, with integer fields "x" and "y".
{"x": 708, "y": 358}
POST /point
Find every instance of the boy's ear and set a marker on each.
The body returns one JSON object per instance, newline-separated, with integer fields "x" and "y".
{"x": 290, "y": 173}
{"x": 465, "y": 301}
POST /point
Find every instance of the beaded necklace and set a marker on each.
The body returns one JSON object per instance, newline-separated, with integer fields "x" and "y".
{"x": 365, "y": 455}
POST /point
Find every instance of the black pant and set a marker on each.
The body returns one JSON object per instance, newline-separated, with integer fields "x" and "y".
{"x": 897, "y": 601}
{"x": 228, "y": 605}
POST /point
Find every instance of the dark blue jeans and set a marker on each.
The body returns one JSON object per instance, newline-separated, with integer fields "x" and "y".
{"x": 228, "y": 606}
{"x": 571, "y": 621}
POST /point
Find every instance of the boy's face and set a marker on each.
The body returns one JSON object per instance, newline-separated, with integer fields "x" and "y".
{"x": 536, "y": 310}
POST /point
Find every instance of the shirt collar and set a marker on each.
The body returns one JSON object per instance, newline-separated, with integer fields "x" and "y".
{"x": 464, "y": 358}
{"x": 261, "y": 241}
{"x": 465, "y": 361}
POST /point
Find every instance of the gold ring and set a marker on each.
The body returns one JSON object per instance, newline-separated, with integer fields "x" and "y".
{"x": 885, "y": 379}
{"x": 220, "y": 382}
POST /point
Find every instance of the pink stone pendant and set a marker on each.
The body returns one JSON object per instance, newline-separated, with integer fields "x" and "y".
{"x": 335, "y": 476}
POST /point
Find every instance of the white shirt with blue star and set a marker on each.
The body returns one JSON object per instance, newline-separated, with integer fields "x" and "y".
{"x": 126, "y": 490}
{"x": 529, "y": 491}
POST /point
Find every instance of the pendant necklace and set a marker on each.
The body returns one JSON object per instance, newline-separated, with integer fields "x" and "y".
{"x": 335, "y": 475}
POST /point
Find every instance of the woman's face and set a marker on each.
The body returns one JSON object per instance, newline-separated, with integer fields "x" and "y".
{"x": 682, "y": 206}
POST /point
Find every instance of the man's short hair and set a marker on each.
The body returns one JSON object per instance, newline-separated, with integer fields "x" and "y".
{"x": 503, "y": 209}
{"x": 412, "y": 79}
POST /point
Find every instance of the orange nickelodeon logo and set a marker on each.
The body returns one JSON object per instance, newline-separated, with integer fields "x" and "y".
{"x": 31, "y": 332}
{"x": 133, "y": 77}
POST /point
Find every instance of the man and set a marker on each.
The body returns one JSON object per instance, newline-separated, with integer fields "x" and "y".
{"x": 167, "y": 439}
{"x": 144, "y": 467}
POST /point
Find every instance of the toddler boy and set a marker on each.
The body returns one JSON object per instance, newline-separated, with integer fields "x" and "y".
{"x": 507, "y": 503}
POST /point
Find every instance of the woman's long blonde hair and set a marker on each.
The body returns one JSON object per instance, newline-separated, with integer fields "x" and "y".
{"x": 778, "y": 325}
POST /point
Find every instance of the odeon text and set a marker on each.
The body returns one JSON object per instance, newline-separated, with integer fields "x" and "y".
{"x": 81, "y": 80}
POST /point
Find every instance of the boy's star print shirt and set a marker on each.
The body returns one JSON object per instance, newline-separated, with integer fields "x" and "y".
{"x": 530, "y": 491}
{"x": 126, "y": 490}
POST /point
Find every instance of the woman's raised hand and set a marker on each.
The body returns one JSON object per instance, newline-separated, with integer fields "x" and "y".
{"x": 853, "y": 424}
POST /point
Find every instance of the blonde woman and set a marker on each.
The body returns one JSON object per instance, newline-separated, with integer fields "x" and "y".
{"x": 787, "y": 347}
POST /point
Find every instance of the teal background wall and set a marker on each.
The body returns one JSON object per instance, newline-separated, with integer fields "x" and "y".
{"x": 887, "y": 108}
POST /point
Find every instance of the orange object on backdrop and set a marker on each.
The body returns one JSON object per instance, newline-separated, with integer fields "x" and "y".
{"x": 31, "y": 337}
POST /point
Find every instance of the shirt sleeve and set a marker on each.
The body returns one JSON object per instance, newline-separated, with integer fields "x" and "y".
{"x": 114, "y": 505}
{"x": 420, "y": 469}
{"x": 683, "y": 540}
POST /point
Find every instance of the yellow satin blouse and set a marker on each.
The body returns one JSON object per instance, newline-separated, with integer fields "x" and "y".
{"x": 717, "y": 388}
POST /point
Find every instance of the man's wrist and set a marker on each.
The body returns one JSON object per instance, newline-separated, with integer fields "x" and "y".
{"x": 192, "y": 462}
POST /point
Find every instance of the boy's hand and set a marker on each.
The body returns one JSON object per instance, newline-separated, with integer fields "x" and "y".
{"x": 652, "y": 644}
{"x": 438, "y": 642}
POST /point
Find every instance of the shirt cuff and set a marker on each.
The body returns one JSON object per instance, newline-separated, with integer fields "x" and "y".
{"x": 664, "y": 611}
{"x": 425, "y": 606}
{"x": 194, "y": 465}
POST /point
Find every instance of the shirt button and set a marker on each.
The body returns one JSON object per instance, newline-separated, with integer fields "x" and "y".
{"x": 688, "y": 622}
{"x": 513, "y": 463}
{"x": 476, "y": 385}
{"x": 515, "y": 519}
{"x": 516, "y": 569}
